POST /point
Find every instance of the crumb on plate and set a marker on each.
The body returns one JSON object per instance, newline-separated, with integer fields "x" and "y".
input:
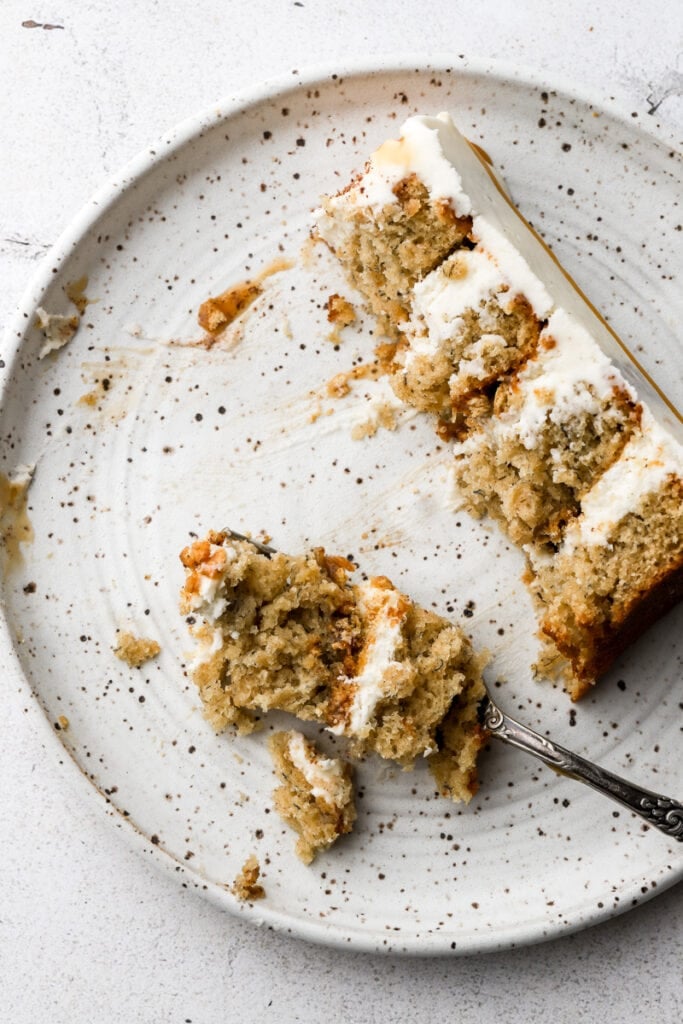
{"x": 135, "y": 650}
{"x": 339, "y": 310}
{"x": 246, "y": 886}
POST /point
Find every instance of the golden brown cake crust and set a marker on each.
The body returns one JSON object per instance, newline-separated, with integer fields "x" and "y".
{"x": 602, "y": 644}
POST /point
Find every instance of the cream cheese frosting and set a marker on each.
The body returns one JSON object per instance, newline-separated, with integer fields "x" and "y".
{"x": 440, "y": 299}
{"x": 648, "y": 459}
{"x": 384, "y": 610}
{"x": 569, "y": 375}
{"x": 325, "y": 775}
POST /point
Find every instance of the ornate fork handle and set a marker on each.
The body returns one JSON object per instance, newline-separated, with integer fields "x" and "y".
{"x": 661, "y": 812}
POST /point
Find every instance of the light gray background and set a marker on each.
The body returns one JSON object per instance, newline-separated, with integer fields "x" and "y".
{"x": 89, "y": 931}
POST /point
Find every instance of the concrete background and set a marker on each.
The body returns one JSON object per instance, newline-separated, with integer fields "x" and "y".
{"x": 89, "y": 931}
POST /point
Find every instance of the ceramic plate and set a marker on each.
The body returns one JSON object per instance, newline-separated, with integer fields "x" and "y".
{"x": 141, "y": 439}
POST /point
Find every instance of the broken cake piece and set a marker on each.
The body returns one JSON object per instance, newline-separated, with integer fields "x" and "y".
{"x": 395, "y": 222}
{"x": 292, "y": 633}
{"x": 315, "y": 795}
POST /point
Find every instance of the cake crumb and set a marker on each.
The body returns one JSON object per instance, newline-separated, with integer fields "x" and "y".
{"x": 384, "y": 414}
{"x": 219, "y": 311}
{"x": 75, "y": 293}
{"x": 246, "y": 886}
{"x": 340, "y": 311}
{"x": 135, "y": 650}
{"x": 57, "y": 329}
{"x": 15, "y": 526}
{"x": 340, "y": 385}
{"x": 216, "y": 313}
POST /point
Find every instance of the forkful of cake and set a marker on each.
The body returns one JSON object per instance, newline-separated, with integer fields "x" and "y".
{"x": 292, "y": 633}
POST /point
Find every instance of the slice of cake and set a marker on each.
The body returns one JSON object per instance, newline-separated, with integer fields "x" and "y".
{"x": 315, "y": 795}
{"x": 293, "y": 634}
{"x": 551, "y": 415}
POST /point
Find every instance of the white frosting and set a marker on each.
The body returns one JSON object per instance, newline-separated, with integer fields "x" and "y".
{"x": 650, "y": 456}
{"x": 419, "y": 152}
{"x": 206, "y": 650}
{"x": 325, "y": 775}
{"x": 383, "y": 610}
{"x": 493, "y": 270}
{"x": 513, "y": 266}
{"x": 439, "y": 301}
{"x": 572, "y": 377}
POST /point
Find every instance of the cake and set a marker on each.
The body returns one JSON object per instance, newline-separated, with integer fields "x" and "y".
{"x": 292, "y": 633}
{"x": 532, "y": 450}
{"x": 389, "y": 231}
{"x": 315, "y": 795}
{"x": 246, "y": 887}
{"x": 556, "y": 433}
{"x": 135, "y": 650}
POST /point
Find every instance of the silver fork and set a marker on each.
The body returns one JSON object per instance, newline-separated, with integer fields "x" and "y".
{"x": 661, "y": 812}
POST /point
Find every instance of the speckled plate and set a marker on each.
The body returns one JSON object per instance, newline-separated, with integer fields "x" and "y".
{"x": 141, "y": 439}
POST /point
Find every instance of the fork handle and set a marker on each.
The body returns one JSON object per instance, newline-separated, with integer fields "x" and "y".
{"x": 661, "y": 812}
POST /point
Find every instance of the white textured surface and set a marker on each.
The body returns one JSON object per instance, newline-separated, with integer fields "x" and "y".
{"x": 88, "y": 930}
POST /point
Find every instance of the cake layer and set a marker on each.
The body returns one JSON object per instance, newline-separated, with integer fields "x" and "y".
{"x": 293, "y": 634}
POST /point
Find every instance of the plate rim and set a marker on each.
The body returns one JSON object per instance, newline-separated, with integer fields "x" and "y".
{"x": 114, "y": 187}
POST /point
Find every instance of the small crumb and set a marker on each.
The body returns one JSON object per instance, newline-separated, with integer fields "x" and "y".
{"x": 340, "y": 311}
{"x": 135, "y": 650}
{"x": 219, "y": 311}
{"x": 58, "y": 330}
{"x": 339, "y": 386}
{"x": 90, "y": 399}
{"x": 63, "y": 722}
{"x": 15, "y": 525}
{"x": 384, "y": 414}
{"x": 246, "y": 887}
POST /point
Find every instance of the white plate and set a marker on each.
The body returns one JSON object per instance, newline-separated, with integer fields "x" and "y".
{"x": 119, "y": 486}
